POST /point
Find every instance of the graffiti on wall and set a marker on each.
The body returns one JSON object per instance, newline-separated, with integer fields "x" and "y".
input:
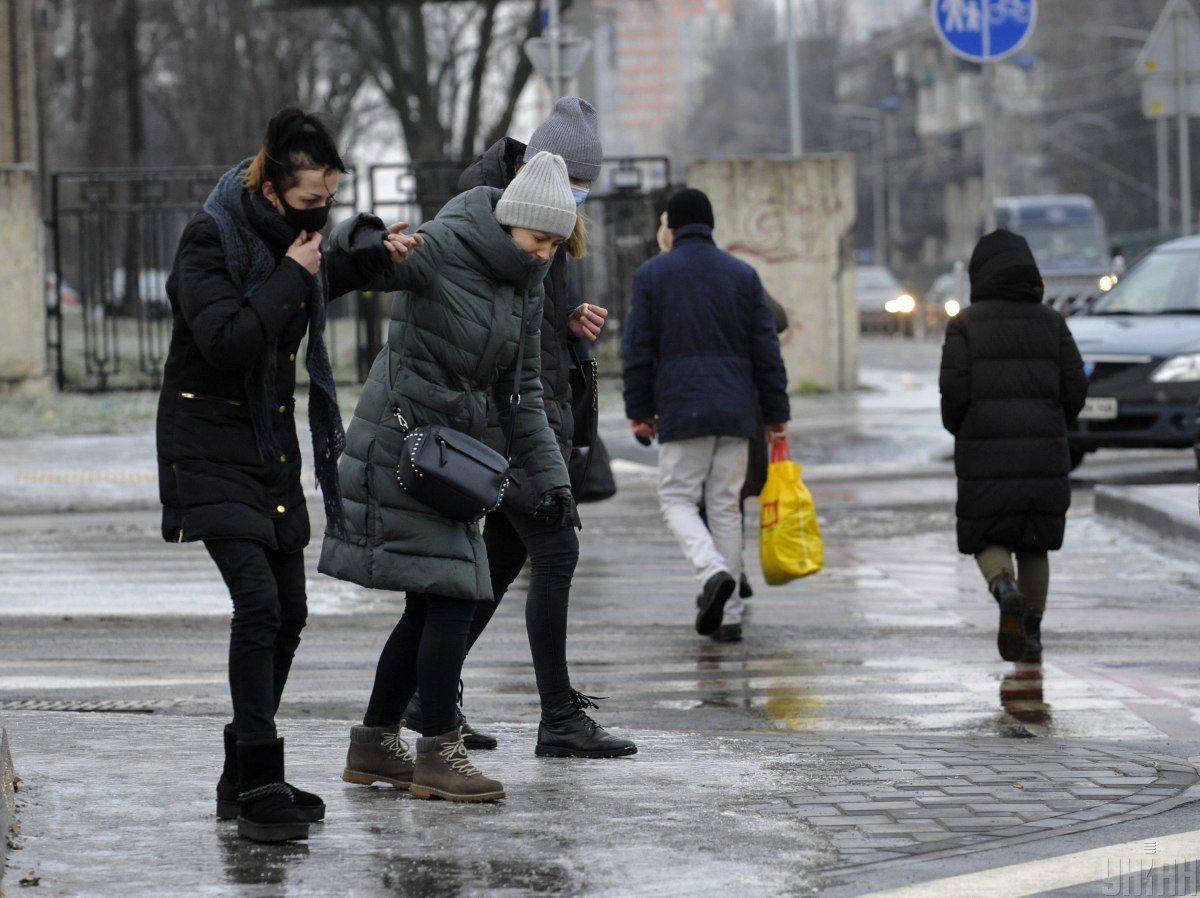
{"x": 777, "y": 227}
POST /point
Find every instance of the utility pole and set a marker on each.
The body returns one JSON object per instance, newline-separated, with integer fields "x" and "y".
{"x": 795, "y": 110}
{"x": 1162, "y": 137}
{"x": 1184, "y": 113}
{"x": 891, "y": 163}
{"x": 555, "y": 36}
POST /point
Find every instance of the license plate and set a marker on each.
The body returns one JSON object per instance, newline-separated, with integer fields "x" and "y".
{"x": 1099, "y": 409}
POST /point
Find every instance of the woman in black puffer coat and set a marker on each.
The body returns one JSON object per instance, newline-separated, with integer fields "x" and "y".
{"x": 248, "y": 283}
{"x": 1011, "y": 381}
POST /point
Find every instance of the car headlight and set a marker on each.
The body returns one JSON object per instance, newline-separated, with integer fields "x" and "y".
{"x": 1181, "y": 369}
{"x": 1107, "y": 282}
{"x": 901, "y": 305}
{"x": 952, "y": 307}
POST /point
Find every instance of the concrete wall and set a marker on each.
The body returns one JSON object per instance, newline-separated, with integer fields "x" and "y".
{"x": 22, "y": 305}
{"x": 792, "y": 219}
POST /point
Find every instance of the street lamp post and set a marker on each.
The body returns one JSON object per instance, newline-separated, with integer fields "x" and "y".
{"x": 555, "y": 78}
{"x": 795, "y": 116}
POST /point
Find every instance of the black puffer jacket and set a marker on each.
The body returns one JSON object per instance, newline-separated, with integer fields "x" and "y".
{"x": 212, "y": 480}
{"x": 564, "y": 358}
{"x": 1011, "y": 381}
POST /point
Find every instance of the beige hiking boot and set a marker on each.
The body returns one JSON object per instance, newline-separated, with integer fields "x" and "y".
{"x": 445, "y": 771}
{"x": 379, "y": 755}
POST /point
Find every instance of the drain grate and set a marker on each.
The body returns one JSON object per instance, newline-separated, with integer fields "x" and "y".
{"x": 119, "y": 707}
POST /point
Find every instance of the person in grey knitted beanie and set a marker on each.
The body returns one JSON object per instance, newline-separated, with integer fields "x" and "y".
{"x": 570, "y": 131}
{"x": 539, "y": 198}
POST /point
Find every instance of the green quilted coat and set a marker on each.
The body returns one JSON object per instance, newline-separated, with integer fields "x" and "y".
{"x": 449, "y": 359}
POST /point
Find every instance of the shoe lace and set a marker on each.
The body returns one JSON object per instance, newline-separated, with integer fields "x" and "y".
{"x": 397, "y": 746}
{"x": 584, "y": 702}
{"x": 455, "y": 754}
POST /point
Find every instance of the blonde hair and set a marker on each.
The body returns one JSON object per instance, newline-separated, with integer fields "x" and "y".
{"x": 666, "y": 237}
{"x": 577, "y": 242}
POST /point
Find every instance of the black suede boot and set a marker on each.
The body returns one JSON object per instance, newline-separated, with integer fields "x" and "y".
{"x": 228, "y": 806}
{"x": 1033, "y": 640}
{"x": 472, "y": 738}
{"x": 268, "y": 813}
{"x": 1010, "y": 635}
{"x": 567, "y": 732}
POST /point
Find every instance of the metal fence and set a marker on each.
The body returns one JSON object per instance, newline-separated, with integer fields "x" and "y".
{"x": 114, "y": 235}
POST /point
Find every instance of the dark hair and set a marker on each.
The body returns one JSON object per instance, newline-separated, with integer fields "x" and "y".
{"x": 295, "y": 140}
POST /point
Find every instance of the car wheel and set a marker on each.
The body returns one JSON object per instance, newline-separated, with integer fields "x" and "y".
{"x": 1077, "y": 457}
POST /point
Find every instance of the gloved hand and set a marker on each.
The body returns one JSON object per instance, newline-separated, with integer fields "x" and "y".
{"x": 368, "y": 251}
{"x": 557, "y": 508}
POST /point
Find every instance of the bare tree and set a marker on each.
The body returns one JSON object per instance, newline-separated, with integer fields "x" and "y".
{"x": 742, "y": 101}
{"x": 143, "y": 82}
{"x": 451, "y": 72}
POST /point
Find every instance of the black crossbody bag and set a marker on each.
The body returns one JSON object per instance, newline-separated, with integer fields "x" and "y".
{"x": 454, "y": 474}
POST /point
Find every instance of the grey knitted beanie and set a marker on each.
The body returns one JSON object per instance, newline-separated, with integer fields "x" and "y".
{"x": 539, "y": 198}
{"x": 570, "y": 132}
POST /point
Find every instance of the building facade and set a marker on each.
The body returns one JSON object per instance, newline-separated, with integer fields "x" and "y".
{"x": 647, "y": 58}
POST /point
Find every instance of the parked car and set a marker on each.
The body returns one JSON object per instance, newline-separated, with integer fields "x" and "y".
{"x": 883, "y": 304}
{"x": 948, "y": 296}
{"x": 1141, "y": 349}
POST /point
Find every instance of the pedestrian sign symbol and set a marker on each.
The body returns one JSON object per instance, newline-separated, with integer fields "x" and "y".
{"x": 984, "y": 30}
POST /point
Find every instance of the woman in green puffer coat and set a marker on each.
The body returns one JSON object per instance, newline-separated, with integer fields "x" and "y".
{"x": 450, "y": 359}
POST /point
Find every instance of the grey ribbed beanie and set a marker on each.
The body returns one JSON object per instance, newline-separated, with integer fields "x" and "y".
{"x": 571, "y": 132}
{"x": 539, "y": 198}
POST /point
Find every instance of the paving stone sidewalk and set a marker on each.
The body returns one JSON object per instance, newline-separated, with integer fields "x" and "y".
{"x": 794, "y": 812}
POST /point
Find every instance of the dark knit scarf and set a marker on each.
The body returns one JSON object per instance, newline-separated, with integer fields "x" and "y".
{"x": 251, "y": 262}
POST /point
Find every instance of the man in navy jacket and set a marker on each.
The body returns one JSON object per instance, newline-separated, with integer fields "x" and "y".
{"x": 701, "y": 359}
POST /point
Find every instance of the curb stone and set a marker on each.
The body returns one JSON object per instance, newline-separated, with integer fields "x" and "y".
{"x": 8, "y": 788}
{"x": 1152, "y": 508}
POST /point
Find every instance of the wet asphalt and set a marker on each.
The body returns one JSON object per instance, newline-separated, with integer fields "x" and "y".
{"x": 864, "y": 735}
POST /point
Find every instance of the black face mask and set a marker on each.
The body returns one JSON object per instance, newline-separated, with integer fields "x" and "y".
{"x": 310, "y": 220}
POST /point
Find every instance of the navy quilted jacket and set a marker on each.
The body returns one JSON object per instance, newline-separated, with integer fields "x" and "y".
{"x": 700, "y": 348}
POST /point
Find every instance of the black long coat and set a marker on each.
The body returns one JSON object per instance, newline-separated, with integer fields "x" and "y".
{"x": 1011, "y": 381}
{"x": 212, "y": 480}
{"x": 565, "y": 361}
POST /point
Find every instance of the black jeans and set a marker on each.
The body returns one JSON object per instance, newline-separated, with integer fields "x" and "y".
{"x": 426, "y": 649}
{"x": 512, "y": 537}
{"x": 269, "y": 611}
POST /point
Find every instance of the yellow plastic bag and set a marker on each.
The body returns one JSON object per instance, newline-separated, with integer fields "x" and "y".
{"x": 790, "y": 544}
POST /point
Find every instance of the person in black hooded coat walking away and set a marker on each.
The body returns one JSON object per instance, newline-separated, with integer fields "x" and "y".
{"x": 248, "y": 283}
{"x": 1012, "y": 380}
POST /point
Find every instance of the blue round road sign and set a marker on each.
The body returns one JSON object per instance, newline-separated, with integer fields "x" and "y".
{"x": 984, "y": 30}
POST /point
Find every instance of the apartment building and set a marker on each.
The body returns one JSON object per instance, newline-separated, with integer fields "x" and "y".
{"x": 647, "y": 58}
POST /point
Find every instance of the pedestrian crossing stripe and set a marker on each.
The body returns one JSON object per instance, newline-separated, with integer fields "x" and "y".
{"x": 1065, "y": 871}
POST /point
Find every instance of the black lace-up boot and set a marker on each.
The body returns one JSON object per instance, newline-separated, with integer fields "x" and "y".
{"x": 228, "y": 807}
{"x": 472, "y": 738}
{"x": 567, "y": 732}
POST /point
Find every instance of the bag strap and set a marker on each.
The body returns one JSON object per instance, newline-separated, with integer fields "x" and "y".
{"x": 514, "y": 399}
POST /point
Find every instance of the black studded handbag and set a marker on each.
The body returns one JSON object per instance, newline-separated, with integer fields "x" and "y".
{"x": 454, "y": 474}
